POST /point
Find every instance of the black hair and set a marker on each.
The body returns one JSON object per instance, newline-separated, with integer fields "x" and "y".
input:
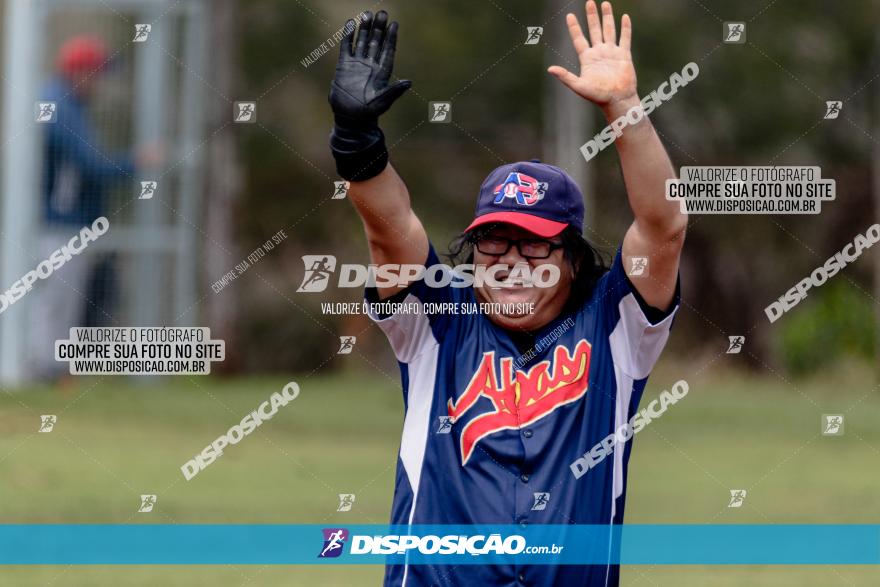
{"x": 586, "y": 261}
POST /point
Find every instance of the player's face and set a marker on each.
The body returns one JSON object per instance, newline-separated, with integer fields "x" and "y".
{"x": 547, "y": 301}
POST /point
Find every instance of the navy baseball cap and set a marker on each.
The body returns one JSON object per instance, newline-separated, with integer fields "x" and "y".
{"x": 538, "y": 197}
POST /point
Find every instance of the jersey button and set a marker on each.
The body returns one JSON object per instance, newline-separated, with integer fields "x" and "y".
{"x": 522, "y": 578}
{"x": 527, "y": 433}
{"x": 524, "y": 478}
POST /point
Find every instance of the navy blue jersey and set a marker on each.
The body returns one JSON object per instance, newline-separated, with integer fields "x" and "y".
{"x": 490, "y": 430}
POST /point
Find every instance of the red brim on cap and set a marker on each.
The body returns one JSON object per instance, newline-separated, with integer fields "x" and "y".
{"x": 540, "y": 226}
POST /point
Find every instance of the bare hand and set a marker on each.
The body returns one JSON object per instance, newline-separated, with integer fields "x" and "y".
{"x": 607, "y": 75}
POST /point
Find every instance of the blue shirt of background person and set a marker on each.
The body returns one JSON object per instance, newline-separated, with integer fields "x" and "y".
{"x": 77, "y": 171}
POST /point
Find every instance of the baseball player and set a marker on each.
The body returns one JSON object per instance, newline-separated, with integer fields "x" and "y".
{"x": 584, "y": 351}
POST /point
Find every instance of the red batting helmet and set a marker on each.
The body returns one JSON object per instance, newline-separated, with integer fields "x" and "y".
{"x": 82, "y": 54}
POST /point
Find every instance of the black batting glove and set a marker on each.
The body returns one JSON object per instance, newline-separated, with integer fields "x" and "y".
{"x": 360, "y": 93}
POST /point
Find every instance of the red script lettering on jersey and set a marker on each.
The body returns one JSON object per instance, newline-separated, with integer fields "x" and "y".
{"x": 524, "y": 397}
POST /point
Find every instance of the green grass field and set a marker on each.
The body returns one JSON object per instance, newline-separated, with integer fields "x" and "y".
{"x": 114, "y": 440}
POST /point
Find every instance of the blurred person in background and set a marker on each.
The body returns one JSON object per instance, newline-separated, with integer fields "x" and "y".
{"x": 77, "y": 174}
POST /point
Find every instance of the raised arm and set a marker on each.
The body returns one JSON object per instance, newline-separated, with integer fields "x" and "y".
{"x": 394, "y": 232}
{"x": 360, "y": 93}
{"x": 608, "y": 79}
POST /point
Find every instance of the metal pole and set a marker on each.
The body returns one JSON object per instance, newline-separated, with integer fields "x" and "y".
{"x": 191, "y": 185}
{"x": 224, "y": 180}
{"x": 568, "y": 120}
{"x": 876, "y": 165}
{"x": 20, "y": 188}
{"x": 151, "y": 103}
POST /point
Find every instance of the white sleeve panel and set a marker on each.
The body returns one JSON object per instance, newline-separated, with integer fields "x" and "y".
{"x": 409, "y": 334}
{"x": 636, "y": 343}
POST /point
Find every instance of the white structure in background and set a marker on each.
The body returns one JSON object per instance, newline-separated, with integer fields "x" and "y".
{"x": 166, "y": 109}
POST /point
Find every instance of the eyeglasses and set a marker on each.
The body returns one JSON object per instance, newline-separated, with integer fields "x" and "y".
{"x": 529, "y": 248}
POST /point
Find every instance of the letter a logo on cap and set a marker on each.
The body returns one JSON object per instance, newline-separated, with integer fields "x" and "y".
{"x": 525, "y": 189}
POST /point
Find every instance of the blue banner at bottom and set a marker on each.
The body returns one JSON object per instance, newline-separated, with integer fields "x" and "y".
{"x": 172, "y": 544}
